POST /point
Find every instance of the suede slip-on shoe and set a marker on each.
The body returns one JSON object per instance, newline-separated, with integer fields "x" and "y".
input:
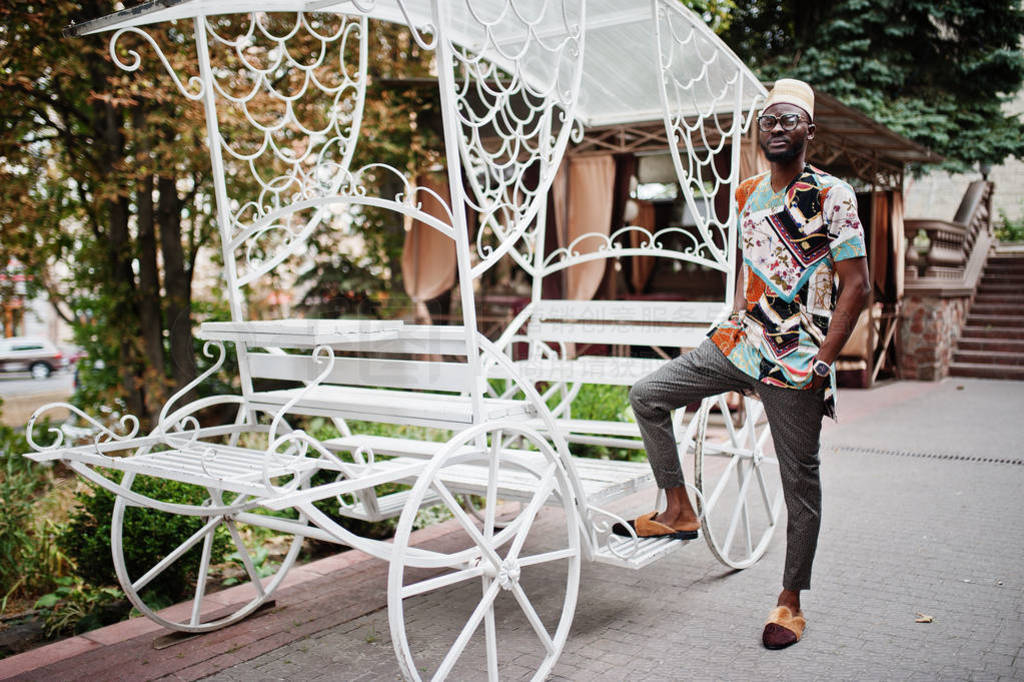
{"x": 783, "y": 628}
{"x": 646, "y": 527}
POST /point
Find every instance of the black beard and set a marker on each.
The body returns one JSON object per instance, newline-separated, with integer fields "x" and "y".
{"x": 785, "y": 155}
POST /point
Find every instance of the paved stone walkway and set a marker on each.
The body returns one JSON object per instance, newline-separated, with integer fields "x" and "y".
{"x": 922, "y": 517}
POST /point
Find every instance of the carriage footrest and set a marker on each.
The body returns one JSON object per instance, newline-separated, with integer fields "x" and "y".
{"x": 648, "y": 550}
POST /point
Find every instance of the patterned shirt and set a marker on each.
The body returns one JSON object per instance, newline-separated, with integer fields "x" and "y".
{"x": 791, "y": 240}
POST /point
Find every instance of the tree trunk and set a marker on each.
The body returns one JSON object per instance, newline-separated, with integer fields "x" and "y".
{"x": 177, "y": 284}
{"x": 122, "y": 285}
{"x": 148, "y": 293}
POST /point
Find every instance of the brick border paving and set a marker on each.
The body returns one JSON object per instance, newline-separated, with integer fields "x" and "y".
{"x": 355, "y": 582}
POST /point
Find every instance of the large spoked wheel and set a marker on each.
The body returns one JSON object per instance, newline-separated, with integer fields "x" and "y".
{"x": 213, "y": 531}
{"x": 741, "y": 491}
{"x": 487, "y": 595}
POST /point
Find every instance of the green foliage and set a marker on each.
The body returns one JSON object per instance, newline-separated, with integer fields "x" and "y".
{"x": 936, "y": 72}
{"x": 74, "y": 607}
{"x": 260, "y": 562}
{"x": 716, "y": 13}
{"x": 149, "y": 536}
{"x": 605, "y": 403}
{"x": 1008, "y": 229}
{"x": 29, "y": 558}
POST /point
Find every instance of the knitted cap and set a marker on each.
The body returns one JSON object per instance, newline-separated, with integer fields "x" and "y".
{"x": 792, "y": 91}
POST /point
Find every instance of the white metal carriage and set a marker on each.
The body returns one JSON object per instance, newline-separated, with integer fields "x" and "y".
{"x": 517, "y": 82}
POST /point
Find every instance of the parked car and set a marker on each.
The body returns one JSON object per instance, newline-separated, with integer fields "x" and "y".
{"x": 26, "y": 353}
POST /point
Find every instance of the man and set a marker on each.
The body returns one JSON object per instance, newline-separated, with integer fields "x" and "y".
{"x": 798, "y": 230}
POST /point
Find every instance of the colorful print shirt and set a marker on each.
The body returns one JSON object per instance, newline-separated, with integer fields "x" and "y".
{"x": 791, "y": 240}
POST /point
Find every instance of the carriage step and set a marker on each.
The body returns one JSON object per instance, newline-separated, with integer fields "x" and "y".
{"x": 647, "y": 551}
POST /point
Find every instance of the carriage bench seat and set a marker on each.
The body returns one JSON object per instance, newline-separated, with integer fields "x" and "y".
{"x": 375, "y": 370}
{"x": 374, "y": 404}
{"x": 603, "y": 480}
{"x": 590, "y": 369}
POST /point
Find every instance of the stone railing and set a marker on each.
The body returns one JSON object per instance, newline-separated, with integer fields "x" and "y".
{"x": 944, "y": 261}
{"x": 945, "y": 258}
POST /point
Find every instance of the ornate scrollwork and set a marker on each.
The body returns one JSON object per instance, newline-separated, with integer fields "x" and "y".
{"x": 283, "y": 231}
{"x": 291, "y": 90}
{"x": 196, "y": 88}
{"x": 208, "y": 347}
{"x": 601, "y": 522}
{"x": 322, "y": 355}
{"x": 689, "y": 248}
{"x": 704, "y": 91}
{"x": 514, "y": 104}
{"x": 101, "y": 434}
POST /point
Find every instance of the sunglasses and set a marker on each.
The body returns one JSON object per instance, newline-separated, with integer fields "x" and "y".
{"x": 767, "y": 122}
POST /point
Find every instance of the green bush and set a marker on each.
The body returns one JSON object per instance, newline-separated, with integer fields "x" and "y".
{"x": 29, "y": 559}
{"x": 149, "y": 536}
{"x": 606, "y": 403}
{"x": 1008, "y": 230}
{"x": 74, "y": 607}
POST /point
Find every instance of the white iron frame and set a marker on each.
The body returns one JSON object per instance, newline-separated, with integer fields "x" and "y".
{"x": 508, "y": 100}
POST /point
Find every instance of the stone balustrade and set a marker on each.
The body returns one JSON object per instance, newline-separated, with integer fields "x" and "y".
{"x": 944, "y": 261}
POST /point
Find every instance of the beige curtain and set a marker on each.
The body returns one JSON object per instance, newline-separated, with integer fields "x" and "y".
{"x": 428, "y": 259}
{"x": 898, "y": 241}
{"x": 583, "y": 205}
{"x": 643, "y": 266}
{"x": 752, "y": 159}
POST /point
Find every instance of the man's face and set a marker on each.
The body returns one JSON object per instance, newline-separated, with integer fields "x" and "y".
{"x": 781, "y": 145}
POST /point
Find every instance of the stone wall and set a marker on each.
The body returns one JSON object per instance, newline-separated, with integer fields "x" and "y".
{"x": 928, "y": 331}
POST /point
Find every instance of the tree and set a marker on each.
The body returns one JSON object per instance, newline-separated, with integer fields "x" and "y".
{"x": 108, "y": 190}
{"x": 936, "y": 72}
{"x": 100, "y": 185}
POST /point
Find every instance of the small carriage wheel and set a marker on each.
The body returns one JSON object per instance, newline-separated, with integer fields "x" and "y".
{"x": 741, "y": 492}
{"x": 450, "y": 609}
{"x": 220, "y": 516}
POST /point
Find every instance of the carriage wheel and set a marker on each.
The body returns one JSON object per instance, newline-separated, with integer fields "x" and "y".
{"x": 515, "y": 586}
{"x": 219, "y": 524}
{"x": 741, "y": 492}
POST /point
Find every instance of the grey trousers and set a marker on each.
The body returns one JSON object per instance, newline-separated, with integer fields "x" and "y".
{"x": 795, "y": 419}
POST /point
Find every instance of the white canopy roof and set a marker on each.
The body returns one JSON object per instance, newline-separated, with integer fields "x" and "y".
{"x": 621, "y": 71}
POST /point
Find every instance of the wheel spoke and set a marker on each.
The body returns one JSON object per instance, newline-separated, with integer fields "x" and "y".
{"x": 736, "y": 513}
{"x": 762, "y": 438}
{"x": 176, "y": 554}
{"x": 492, "y": 485}
{"x": 250, "y": 568}
{"x": 711, "y": 500}
{"x": 763, "y": 486}
{"x": 533, "y": 618}
{"x": 490, "y": 637}
{"x": 204, "y": 569}
{"x": 528, "y": 515}
{"x": 467, "y": 523}
{"x": 547, "y": 557}
{"x": 467, "y": 631}
{"x": 437, "y": 582}
{"x": 746, "y": 512}
{"x": 723, "y": 406}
